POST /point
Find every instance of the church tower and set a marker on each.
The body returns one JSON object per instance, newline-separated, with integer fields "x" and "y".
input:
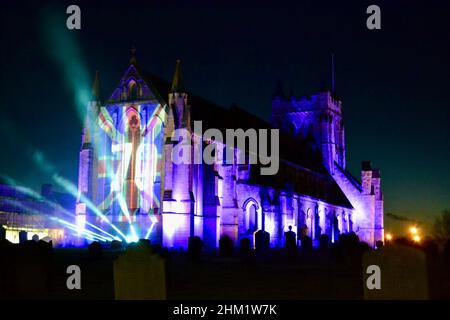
{"x": 178, "y": 199}
{"x": 318, "y": 116}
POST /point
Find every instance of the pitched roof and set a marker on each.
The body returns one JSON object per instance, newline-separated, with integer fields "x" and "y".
{"x": 300, "y": 167}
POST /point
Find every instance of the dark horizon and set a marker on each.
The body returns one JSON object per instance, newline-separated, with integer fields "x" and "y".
{"x": 393, "y": 82}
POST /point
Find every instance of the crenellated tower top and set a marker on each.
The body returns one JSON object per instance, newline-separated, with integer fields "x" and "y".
{"x": 319, "y": 116}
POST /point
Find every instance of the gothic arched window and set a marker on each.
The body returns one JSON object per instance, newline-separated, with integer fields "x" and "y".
{"x": 133, "y": 90}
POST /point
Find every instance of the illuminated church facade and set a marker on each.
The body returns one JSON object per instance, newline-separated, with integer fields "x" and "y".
{"x": 130, "y": 187}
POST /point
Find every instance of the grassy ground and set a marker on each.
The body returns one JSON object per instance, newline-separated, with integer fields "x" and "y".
{"x": 274, "y": 276}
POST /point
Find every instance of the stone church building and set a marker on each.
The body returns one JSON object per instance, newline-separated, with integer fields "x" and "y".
{"x": 130, "y": 187}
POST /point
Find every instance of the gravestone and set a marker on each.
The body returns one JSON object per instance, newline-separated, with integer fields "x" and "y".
{"x": 116, "y": 245}
{"x": 145, "y": 242}
{"x": 139, "y": 274}
{"x": 226, "y": 246}
{"x": 262, "y": 241}
{"x": 324, "y": 242}
{"x": 95, "y": 250}
{"x": 306, "y": 243}
{"x": 23, "y": 236}
{"x": 195, "y": 246}
{"x": 402, "y": 270}
{"x": 47, "y": 239}
{"x": 32, "y": 264}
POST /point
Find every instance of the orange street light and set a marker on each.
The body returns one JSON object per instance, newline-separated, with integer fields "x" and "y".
{"x": 416, "y": 238}
{"x": 414, "y": 230}
{"x": 388, "y": 237}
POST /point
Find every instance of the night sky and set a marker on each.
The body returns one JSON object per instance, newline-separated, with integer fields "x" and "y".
{"x": 394, "y": 82}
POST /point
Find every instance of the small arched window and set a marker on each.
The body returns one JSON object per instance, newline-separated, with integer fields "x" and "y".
{"x": 133, "y": 90}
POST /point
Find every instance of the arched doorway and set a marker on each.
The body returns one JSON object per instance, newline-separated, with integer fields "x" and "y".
{"x": 252, "y": 220}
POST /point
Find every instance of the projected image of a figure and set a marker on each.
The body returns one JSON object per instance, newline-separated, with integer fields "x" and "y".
{"x": 131, "y": 159}
{"x": 134, "y": 138}
{"x": 120, "y": 160}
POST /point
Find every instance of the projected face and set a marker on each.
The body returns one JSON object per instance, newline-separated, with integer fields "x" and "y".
{"x": 129, "y": 164}
{"x": 134, "y": 123}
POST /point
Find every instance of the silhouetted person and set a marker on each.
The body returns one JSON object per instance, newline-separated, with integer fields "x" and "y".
{"x": 379, "y": 244}
{"x": 226, "y": 246}
{"x": 95, "y": 250}
{"x": 290, "y": 240}
{"x": 195, "y": 247}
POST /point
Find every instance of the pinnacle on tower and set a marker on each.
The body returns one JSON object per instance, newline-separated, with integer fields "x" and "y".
{"x": 177, "y": 82}
{"x": 95, "y": 93}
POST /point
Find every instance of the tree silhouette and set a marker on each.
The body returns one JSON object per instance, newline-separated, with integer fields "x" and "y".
{"x": 441, "y": 228}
